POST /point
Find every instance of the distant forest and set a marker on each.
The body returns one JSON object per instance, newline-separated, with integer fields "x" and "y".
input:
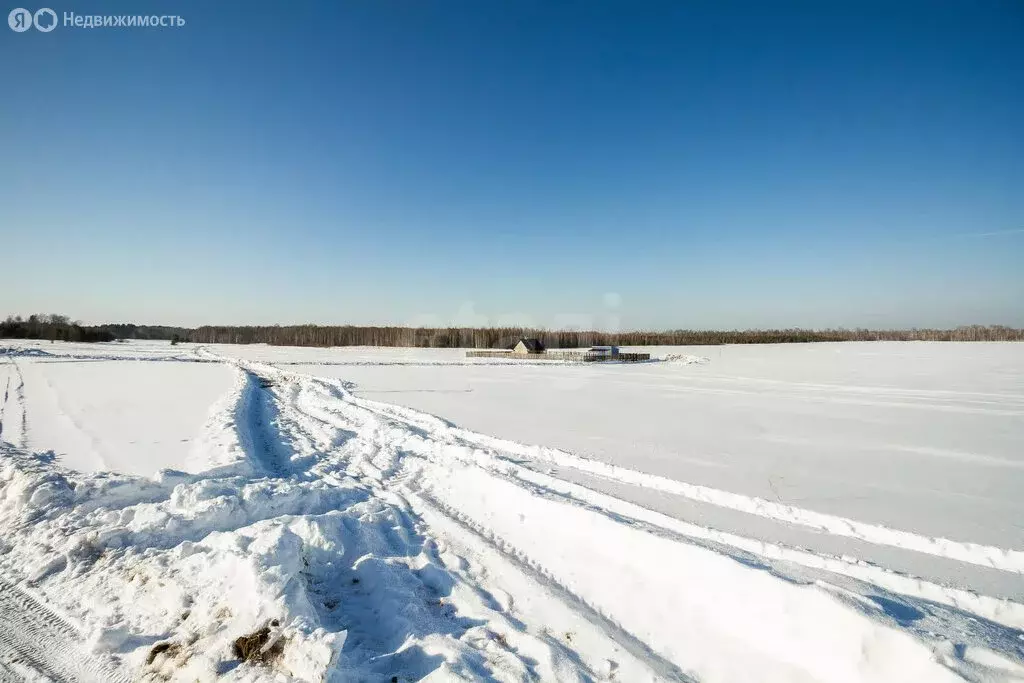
{"x": 60, "y": 327}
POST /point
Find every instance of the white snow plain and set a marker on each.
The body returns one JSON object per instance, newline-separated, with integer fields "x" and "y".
{"x": 121, "y": 415}
{"x": 821, "y": 512}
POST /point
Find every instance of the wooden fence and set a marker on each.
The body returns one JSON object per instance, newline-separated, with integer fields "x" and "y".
{"x": 570, "y": 356}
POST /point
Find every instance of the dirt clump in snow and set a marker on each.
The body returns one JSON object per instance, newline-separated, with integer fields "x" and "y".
{"x": 260, "y": 646}
{"x": 167, "y": 649}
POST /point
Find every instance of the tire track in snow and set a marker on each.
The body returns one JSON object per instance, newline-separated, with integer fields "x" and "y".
{"x": 255, "y": 416}
{"x": 628, "y": 641}
{"x": 488, "y": 453}
{"x": 265, "y": 421}
{"x": 19, "y": 402}
{"x": 1002, "y": 611}
{"x": 1003, "y": 559}
{"x": 3, "y": 406}
{"x": 393, "y": 473}
{"x": 411, "y": 437}
{"x": 36, "y": 640}
{"x": 945, "y": 401}
{"x": 20, "y": 392}
{"x": 7, "y": 394}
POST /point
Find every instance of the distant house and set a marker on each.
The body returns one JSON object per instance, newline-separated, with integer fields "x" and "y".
{"x": 526, "y": 346}
{"x": 535, "y": 351}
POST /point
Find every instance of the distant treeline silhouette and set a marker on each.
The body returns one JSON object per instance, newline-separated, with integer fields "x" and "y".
{"x": 505, "y": 337}
{"x": 53, "y": 326}
{"x": 50, "y": 326}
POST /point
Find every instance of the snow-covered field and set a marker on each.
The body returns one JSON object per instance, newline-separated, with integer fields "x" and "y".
{"x": 839, "y": 512}
{"x": 120, "y": 415}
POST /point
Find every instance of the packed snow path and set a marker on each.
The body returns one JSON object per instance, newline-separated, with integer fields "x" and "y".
{"x": 374, "y": 541}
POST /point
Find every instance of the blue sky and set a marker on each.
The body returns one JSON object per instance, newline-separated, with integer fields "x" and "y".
{"x": 593, "y": 163}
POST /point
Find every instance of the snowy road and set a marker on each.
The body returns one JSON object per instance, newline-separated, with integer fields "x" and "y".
{"x": 923, "y": 437}
{"x": 374, "y": 540}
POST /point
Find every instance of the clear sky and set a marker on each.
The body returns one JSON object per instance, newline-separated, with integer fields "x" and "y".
{"x": 595, "y": 163}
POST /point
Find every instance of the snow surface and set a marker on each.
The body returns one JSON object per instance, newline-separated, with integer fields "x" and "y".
{"x": 556, "y": 522}
{"x": 119, "y": 415}
{"x": 925, "y": 438}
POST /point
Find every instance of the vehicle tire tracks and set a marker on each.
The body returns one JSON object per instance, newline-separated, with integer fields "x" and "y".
{"x": 36, "y": 640}
{"x": 392, "y": 468}
{"x": 256, "y": 417}
{"x": 3, "y": 406}
{"x": 19, "y": 393}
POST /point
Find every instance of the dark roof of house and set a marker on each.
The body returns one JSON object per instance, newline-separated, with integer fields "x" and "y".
{"x": 532, "y": 345}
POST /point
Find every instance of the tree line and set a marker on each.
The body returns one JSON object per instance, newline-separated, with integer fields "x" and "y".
{"x": 60, "y": 327}
{"x": 56, "y": 327}
{"x": 506, "y": 337}
{"x": 53, "y": 327}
